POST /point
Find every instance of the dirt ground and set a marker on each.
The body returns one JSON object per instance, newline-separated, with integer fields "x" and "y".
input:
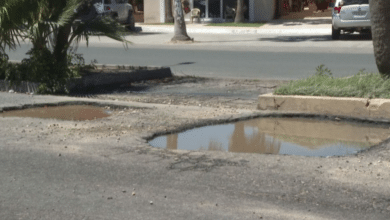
{"x": 193, "y": 91}
{"x": 254, "y": 186}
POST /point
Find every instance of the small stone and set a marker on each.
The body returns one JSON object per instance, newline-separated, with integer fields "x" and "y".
{"x": 66, "y": 146}
{"x": 109, "y": 198}
{"x": 59, "y": 155}
{"x": 11, "y": 91}
{"x": 200, "y": 105}
{"x": 151, "y": 202}
{"x": 133, "y": 193}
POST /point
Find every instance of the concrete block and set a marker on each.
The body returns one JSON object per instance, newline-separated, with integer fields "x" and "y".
{"x": 354, "y": 107}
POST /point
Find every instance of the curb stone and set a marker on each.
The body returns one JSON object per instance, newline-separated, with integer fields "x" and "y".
{"x": 98, "y": 78}
{"x": 337, "y": 106}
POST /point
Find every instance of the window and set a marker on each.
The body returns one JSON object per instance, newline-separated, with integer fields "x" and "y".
{"x": 107, "y": 1}
{"x": 201, "y": 4}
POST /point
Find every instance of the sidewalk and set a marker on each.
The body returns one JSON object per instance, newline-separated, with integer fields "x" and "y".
{"x": 314, "y": 26}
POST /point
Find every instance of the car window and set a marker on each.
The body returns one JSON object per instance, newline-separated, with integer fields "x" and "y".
{"x": 107, "y": 1}
{"x": 122, "y": 1}
{"x": 354, "y": 2}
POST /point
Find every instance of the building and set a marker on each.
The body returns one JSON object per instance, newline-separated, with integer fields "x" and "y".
{"x": 214, "y": 10}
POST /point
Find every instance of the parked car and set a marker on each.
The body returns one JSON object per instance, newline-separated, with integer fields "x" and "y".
{"x": 350, "y": 16}
{"x": 120, "y": 10}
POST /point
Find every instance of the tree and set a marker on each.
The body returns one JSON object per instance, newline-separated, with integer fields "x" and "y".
{"x": 50, "y": 25}
{"x": 180, "y": 31}
{"x": 240, "y": 12}
{"x": 169, "y": 17}
{"x": 380, "y": 28}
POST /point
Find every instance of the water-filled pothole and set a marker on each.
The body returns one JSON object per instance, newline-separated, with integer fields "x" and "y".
{"x": 67, "y": 112}
{"x": 294, "y": 136}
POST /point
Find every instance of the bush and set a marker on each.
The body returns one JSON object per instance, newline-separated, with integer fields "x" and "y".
{"x": 52, "y": 75}
{"x": 3, "y": 64}
{"x": 42, "y": 68}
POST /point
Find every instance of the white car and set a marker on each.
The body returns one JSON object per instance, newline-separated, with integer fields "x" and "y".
{"x": 120, "y": 10}
{"x": 350, "y": 16}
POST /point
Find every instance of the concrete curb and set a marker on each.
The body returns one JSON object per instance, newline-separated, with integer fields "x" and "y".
{"x": 336, "y": 106}
{"x": 97, "y": 78}
{"x": 271, "y": 31}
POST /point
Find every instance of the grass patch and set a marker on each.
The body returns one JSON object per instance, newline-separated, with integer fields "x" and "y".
{"x": 232, "y": 24}
{"x": 362, "y": 85}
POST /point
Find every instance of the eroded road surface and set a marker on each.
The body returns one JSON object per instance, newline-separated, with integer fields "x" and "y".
{"x": 105, "y": 169}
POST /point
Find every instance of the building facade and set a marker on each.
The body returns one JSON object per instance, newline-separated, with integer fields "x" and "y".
{"x": 214, "y": 10}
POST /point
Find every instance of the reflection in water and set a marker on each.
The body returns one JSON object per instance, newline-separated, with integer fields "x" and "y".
{"x": 253, "y": 143}
{"x": 307, "y": 137}
{"x": 172, "y": 141}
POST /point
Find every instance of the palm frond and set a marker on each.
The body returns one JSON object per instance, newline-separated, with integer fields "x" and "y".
{"x": 100, "y": 26}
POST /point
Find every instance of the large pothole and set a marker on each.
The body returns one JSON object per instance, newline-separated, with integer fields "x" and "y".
{"x": 293, "y": 136}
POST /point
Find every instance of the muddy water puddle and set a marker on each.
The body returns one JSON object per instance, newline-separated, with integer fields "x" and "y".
{"x": 293, "y": 136}
{"x": 68, "y": 112}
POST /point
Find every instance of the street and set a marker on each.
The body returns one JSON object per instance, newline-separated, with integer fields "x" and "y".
{"x": 234, "y": 56}
{"x": 52, "y": 169}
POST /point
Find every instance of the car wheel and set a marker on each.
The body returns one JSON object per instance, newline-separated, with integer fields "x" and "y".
{"x": 130, "y": 20}
{"x": 335, "y": 34}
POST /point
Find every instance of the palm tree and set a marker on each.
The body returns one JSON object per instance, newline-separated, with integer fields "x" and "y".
{"x": 240, "y": 12}
{"x": 180, "y": 31}
{"x": 380, "y": 28}
{"x": 48, "y": 25}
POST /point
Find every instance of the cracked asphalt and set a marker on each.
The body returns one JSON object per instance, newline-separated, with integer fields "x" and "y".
{"x": 105, "y": 168}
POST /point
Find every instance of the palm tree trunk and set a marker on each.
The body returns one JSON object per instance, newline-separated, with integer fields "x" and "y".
{"x": 240, "y": 12}
{"x": 180, "y": 30}
{"x": 169, "y": 17}
{"x": 380, "y": 27}
{"x": 61, "y": 46}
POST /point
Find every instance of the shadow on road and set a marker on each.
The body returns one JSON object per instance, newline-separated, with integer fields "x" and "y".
{"x": 343, "y": 37}
{"x": 141, "y": 33}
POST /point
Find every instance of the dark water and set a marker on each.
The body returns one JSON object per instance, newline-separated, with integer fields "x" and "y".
{"x": 69, "y": 112}
{"x": 294, "y": 136}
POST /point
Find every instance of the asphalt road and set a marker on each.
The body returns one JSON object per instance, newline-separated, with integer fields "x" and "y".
{"x": 242, "y": 56}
